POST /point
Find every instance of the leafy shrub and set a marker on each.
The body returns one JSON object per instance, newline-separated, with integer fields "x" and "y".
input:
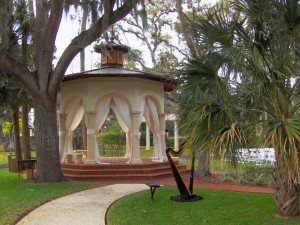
{"x": 112, "y": 140}
{"x": 227, "y": 178}
{"x": 258, "y": 175}
{"x": 6, "y": 128}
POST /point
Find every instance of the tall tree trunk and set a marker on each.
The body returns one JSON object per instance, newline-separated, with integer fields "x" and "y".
{"x": 1, "y": 126}
{"x": 185, "y": 28}
{"x": 25, "y": 108}
{"x": 1, "y": 134}
{"x": 16, "y": 127}
{"x": 82, "y": 68}
{"x": 203, "y": 167}
{"x": 83, "y": 28}
{"x": 25, "y": 132}
{"x": 46, "y": 140}
{"x": 286, "y": 196}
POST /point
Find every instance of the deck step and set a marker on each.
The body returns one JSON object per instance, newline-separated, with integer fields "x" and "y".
{"x": 118, "y": 171}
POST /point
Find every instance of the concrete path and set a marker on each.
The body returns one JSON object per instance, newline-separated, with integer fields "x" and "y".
{"x": 86, "y": 207}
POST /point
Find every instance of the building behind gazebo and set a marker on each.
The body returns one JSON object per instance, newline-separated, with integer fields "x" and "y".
{"x": 133, "y": 95}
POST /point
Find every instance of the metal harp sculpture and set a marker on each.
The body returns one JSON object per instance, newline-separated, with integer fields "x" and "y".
{"x": 185, "y": 194}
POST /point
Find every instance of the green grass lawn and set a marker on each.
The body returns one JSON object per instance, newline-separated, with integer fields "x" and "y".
{"x": 147, "y": 153}
{"x": 215, "y": 165}
{"x": 111, "y": 153}
{"x": 18, "y": 196}
{"x": 3, "y": 157}
{"x": 217, "y": 208}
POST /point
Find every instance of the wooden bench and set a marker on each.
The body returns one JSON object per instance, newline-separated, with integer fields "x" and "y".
{"x": 78, "y": 157}
{"x": 31, "y": 162}
{"x": 83, "y": 152}
{"x": 68, "y": 158}
{"x": 153, "y": 187}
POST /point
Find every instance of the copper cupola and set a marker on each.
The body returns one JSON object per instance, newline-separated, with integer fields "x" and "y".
{"x": 112, "y": 54}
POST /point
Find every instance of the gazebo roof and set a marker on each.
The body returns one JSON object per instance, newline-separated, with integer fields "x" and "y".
{"x": 169, "y": 84}
{"x": 112, "y": 66}
{"x": 111, "y": 45}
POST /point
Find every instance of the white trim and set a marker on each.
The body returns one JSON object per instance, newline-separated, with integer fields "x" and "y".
{"x": 61, "y": 133}
{"x": 90, "y": 131}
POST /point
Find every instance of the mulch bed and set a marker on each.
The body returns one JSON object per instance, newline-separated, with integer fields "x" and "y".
{"x": 216, "y": 179}
{"x": 3, "y": 166}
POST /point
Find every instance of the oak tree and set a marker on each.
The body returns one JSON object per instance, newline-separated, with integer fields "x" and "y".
{"x": 44, "y": 80}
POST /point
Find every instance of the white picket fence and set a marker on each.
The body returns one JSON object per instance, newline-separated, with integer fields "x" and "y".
{"x": 259, "y": 156}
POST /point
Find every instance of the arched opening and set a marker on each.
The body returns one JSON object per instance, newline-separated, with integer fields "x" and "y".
{"x": 111, "y": 139}
{"x": 69, "y": 120}
{"x": 155, "y": 122}
{"x": 129, "y": 122}
{"x": 121, "y": 109}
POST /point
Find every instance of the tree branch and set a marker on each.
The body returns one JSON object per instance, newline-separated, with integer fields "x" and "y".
{"x": 185, "y": 30}
{"x": 13, "y": 67}
{"x": 8, "y": 63}
{"x": 54, "y": 22}
{"x": 49, "y": 17}
{"x": 83, "y": 40}
{"x": 4, "y": 22}
{"x": 41, "y": 12}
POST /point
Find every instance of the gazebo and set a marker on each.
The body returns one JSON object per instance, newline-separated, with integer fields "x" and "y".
{"x": 133, "y": 95}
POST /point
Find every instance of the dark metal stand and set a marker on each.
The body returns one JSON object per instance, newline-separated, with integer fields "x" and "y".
{"x": 153, "y": 187}
{"x": 190, "y": 198}
{"x": 192, "y": 173}
{"x": 185, "y": 194}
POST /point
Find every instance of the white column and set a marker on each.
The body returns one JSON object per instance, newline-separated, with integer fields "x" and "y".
{"x": 127, "y": 145}
{"x": 147, "y": 137}
{"x": 62, "y": 134}
{"x": 135, "y": 156}
{"x": 176, "y": 141}
{"x": 91, "y": 137}
{"x": 162, "y": 124}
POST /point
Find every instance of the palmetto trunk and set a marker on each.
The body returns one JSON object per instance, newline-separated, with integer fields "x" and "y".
{"x": 1, "y": 127}
{"x": 16, "y": 128}
{"x": 203, "y": 166}
{"x": 286, "y": 195}
{"x": 25, "y": 132}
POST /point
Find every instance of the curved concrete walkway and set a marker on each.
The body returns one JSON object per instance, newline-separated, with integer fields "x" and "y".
{"x": 89, "y": 207}
{"x": 86, "y": 207}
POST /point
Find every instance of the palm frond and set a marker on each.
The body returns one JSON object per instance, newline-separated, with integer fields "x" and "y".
{"x": 284, "y": 135}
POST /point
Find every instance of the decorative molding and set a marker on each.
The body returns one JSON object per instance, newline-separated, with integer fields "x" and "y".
{"x": 90, "y": 113}
{"x": 135, "y": 113}
{"x": 90, "y": 131}
{"x": 161, "y": 114}
{"x": 61, "y": 133}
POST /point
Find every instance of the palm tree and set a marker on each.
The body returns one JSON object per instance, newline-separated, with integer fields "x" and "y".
{"x": 250, "y": 67}
{"x": 12, "y": 94}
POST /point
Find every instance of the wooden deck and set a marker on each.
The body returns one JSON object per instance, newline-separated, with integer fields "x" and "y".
{"x": 116, "y": 170}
